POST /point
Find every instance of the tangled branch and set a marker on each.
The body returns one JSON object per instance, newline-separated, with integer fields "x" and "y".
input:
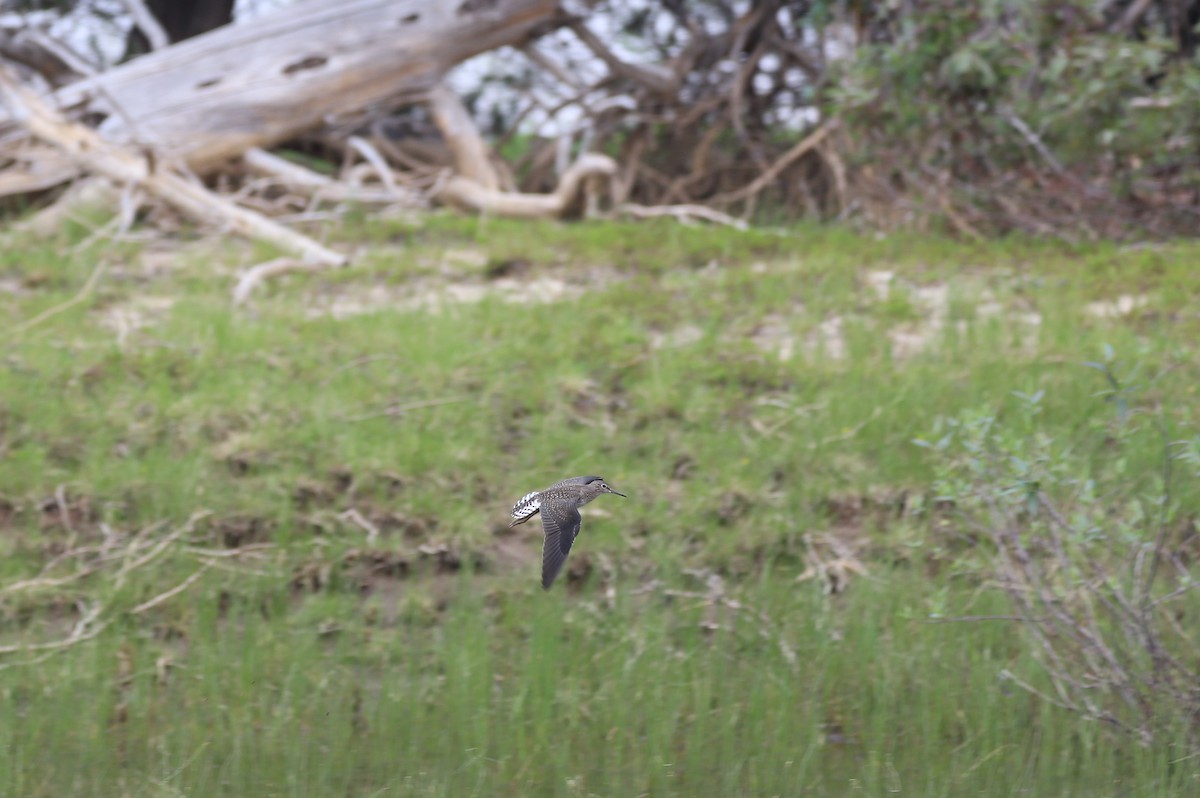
{"x": 105, "y": 569}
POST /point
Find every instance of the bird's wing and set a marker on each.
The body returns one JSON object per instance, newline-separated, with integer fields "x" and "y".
{"x": 561, "y": 524}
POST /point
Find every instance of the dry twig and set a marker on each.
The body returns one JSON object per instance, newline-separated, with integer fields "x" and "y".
{"x": 119, "y": 556}
{"x": 48, "y": 313}
{"x": 470, "y": 151}
{"x": 653, "y": 77}
{"x": 468, "y": 194}
{"x": 85, "y": 628}
{"x": 357, "y": 518}
{"x": 175, "y": 591}
{"x": 769, "y": 175}
{"x": 250, "y": 278}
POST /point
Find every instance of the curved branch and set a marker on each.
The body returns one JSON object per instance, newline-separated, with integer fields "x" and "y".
{"x": 468, "y": 194}
{"x": 458, "y": 129}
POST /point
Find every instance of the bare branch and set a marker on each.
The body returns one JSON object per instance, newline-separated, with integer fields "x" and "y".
{"x": 175, "y": 591}
{"x": 148, "y": 23}
{"x": 377, "y": 162}
{"x": 248, "y": 549}
{"x": 1036, "y": 142}
{"x": 469, "y": 194}
{"x": 250, "y": 278}
{"x": 470, "y": 150}
{"x": 293, "y": 174}
{"x": 784, "y": 161}
{"x": 83, "y": 294}
{"x": 401, "y": 409}
{"x": 360, "y": 520}
{"x": 322, "y": 188}
{"x": 50, "y": 58}
{"x": 85, "y": 629}
{"x": 556, "y": 69}
{"x": 93, "y": 152}
{"x": 655, "y": 78}
{"x": 1132, "y": 15}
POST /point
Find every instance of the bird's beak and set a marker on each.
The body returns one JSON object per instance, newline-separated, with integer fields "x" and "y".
{"x": 622, "y": 495}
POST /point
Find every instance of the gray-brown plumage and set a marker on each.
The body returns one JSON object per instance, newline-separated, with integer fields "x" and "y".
{"x": 559, "y": 506}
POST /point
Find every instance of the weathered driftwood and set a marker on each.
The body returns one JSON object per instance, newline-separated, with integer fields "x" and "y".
{"x": 458, "y": 129}
{"x": 249, "y": 279}
{"x": 35, "y": 167}
{"x": 476, "y": 186}
{"x": 80, "y": 196}
{"x": 321, "y": 187}
{"x": 33, "y": 48}
{"x": 469, "y": 195}
{"x": 149, "y": 25}
{"x": 93, "y": 153}
{"x": 211, "y": 98}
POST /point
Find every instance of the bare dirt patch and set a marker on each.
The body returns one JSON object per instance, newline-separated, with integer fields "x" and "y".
{"x": 439, "y": 293}
{"x": 684, "y": 335}
{"x": 1117, "y": 308}
{"x": 931, "y": 305}
{"x": 137, "y": 313}
{"x": 932, "y": 302}
{"x": 775, "y": 335}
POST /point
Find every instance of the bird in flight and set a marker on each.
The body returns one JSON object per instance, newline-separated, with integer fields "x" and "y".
{"x": 559, "y": 505}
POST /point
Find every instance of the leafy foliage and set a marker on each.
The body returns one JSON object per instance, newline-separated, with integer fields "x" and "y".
{"x": 1096, "y": 558}
{"x": 1026, "y": 115}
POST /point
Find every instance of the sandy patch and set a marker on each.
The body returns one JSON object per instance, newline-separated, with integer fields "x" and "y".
{"x": 933, "y": 304}
{"x": 136, "y": 314}
{"x": 437, "y": 294}
{"x": 1116, "y": 308}
{"x": 775, "y": 334}
{"x": 685, "y": 335}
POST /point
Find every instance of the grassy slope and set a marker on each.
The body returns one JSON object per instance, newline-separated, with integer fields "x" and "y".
{"x": 318, "y": 672}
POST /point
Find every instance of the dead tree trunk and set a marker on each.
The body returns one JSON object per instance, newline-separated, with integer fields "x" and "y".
{"x": 212, "y": 97}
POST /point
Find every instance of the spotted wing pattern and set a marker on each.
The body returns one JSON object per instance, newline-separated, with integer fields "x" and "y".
{"x": 524, "y": 509}
{"x": 560, "y": 521}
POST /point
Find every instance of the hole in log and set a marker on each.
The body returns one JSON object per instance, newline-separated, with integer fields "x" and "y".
{"x": 409, "y": 19}
{"x": 311, "y": 62}
{"x": 204, "y": 84}
{"x": 471, "y": 6}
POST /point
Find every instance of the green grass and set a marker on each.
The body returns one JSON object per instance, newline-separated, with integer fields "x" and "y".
{"x": 517, "y": 694}
{"x": 330, "y": 665}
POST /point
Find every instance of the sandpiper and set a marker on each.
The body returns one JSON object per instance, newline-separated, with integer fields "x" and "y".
{"x": 559, "y": 505}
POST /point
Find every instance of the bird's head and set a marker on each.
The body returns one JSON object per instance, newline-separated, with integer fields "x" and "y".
{"x": 598, "y": 485}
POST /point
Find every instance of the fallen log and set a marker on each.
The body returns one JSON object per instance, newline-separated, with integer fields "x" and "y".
{"x": 208, "y": 99}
